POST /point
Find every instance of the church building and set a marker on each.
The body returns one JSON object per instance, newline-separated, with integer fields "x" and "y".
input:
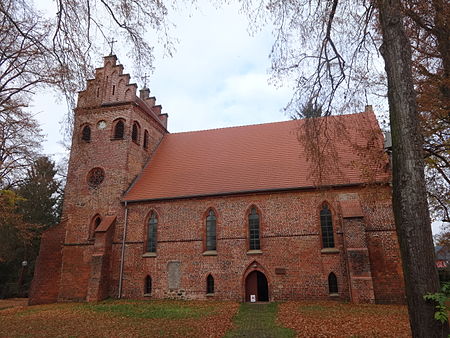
{"x": 295, "y": 210}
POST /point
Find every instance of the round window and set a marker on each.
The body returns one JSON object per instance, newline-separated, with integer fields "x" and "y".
{"x": 95, "y": 177}
{"x": 101, "y": 124}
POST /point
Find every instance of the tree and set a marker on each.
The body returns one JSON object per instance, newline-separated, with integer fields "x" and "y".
{"x": 410, "y": 205}
{"x": 310, "y": 109}
{"x": 57, "y": 51}
{"x": 332, "y": 47}
{"x": 39, "y": 205}
{"x": 20, "y": 138}
{"x": 15, "y": 235}
{"x": 428, "y": 26}
{"x": 40, "y": 192}
{"x": 26, "y": 213}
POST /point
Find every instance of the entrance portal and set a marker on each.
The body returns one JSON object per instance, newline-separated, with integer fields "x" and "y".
{"x": 256, "y": 284}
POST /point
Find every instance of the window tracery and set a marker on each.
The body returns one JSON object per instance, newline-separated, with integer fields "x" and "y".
{"x": 253, "y": 227}
{"x": 95, "y": 177}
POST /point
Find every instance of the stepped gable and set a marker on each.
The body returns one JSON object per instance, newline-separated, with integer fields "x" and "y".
{"x": 111, "y": 87}
{"x": 260, "y": 157}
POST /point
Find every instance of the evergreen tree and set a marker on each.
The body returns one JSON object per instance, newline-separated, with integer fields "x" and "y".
{"x": 34, "y": 208}
{"x": 40, "y": 193}
{"x": 15, "y": 236}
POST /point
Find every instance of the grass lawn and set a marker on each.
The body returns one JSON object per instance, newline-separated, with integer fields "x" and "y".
{"x": 123, "y": 318}
{"x": 165, "y": 318}
{"x": 258, "y": 320}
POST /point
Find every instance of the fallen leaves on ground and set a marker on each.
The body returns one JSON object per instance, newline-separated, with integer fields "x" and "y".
{"x": 13, "y": 302}
{"x": 332, "y": 319}
{"x": 81, "y": 320}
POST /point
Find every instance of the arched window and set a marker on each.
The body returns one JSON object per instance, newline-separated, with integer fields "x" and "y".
{"x": 145, "y": 139}
{"x": 135, "y": 132}
{"x": 119, "y": 130}
{"x": 94, "y": 225}
{"x": 211, "y": 231}
{"x": 151, "y": 233}
{"x": 253, "y": 229}
{"x": 86, "y": 133}
{"x": 148, "y": 285}
{"x": 326, "y": 224}
{"x": 332, "y": 283}
{"x": 209, "y": 284}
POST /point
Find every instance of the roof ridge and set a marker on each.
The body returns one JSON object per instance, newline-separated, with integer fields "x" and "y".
{"x": 262, "y": 123}
{"x": 230, "y": 127}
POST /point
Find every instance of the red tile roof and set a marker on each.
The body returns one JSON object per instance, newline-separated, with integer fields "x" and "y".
{"x": 351, "y": 209}
{"x": 106, "y": 223}
{"x": 262, "y": 157}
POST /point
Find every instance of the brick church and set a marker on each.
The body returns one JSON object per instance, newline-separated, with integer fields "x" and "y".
{"x": 249, "y": 213}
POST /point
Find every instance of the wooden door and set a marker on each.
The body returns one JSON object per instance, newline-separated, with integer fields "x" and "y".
{"x": 251, "y": 285}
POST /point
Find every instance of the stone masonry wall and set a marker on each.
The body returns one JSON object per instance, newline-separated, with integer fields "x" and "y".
{"x": 45, "y": 286}
{"x": 107, "y": 98}
{"x": 291, "y": 254}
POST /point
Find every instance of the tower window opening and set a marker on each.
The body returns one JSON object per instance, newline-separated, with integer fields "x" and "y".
{"x": 119, "y": 130}
{"x": 145, "y": 139}
{"x": 86, "y": 133}
{"x": 135, "y": 132}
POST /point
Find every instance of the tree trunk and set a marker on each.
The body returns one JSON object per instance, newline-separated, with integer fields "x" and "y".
{"x": 411, "y": 213}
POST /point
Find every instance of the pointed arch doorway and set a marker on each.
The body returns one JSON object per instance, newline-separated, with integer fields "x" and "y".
{"x": 256, "y": 284}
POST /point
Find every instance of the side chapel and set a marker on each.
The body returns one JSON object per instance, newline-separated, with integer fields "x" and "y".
{"x": 243, "y": 213}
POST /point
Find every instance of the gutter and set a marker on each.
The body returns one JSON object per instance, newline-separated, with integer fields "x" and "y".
{"x": 245, "y": 192}
{"x": 122, "y": 254}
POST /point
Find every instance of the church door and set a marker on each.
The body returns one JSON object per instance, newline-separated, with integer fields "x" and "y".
{"x": 256, "y": 284}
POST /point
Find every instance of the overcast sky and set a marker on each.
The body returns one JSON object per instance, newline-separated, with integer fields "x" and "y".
{"x": 218, "y": 77}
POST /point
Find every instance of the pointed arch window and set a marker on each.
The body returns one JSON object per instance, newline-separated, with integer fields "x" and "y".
{"x": 253, "y": 230}
{"x": 148, "y": 285}
{"x": 209, "y": 284}
{"x": 326, "y": 224}
{"x": 145, "y": 139}
{"x": 135, "y": 132}
{"x": 332, "y": 283}
{"x": 86, "y": 133}
{"x": 119, "y": 129}
{"x": 151, "y": 233}
{"x": 96, "y": 220}
{"x": 211, "y": 231}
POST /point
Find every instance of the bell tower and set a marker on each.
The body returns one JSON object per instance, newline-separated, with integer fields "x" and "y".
{"x": 114, "y": 134}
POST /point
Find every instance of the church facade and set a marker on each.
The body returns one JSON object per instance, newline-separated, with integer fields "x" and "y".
{"x": 251, "y": 213}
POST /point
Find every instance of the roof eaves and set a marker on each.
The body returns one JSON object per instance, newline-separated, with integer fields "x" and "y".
{"x": 245, "y": 192}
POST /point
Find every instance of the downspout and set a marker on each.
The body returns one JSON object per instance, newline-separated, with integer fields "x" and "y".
{"x": 347, "y": 265}
{"x": 122, "y": 255}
